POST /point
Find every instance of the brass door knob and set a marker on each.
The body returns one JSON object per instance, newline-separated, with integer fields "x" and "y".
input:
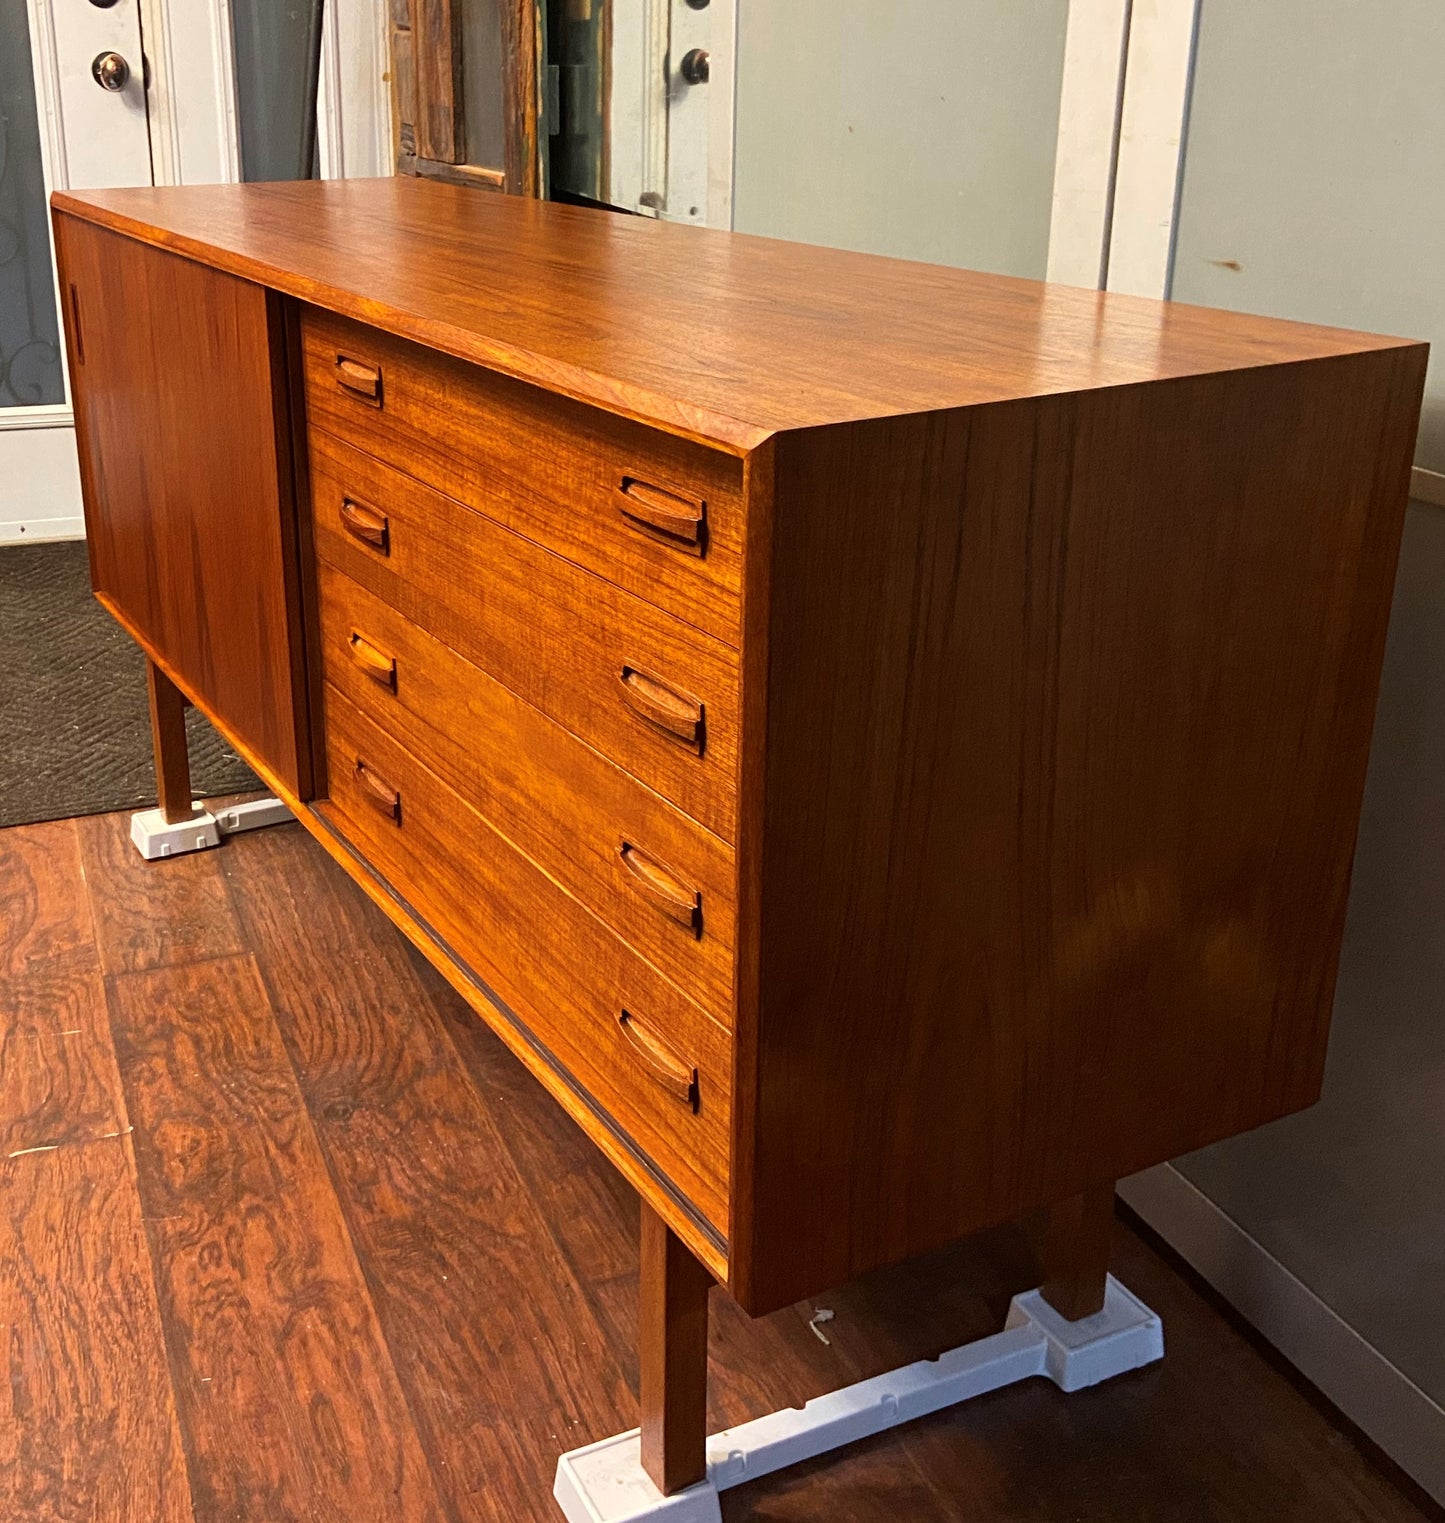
{"x": 111, "y": 71}
{"x": 694, "y": 66}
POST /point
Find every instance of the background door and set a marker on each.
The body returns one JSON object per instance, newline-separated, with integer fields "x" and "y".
{"x": 58, "y": 126}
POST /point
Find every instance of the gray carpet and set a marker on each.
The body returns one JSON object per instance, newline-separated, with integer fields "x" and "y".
{"x": 74, "y": 723}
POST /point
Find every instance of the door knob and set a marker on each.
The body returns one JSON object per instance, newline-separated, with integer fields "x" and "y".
{"x": 111, "y": 71}
{"x": 694, "y": 66}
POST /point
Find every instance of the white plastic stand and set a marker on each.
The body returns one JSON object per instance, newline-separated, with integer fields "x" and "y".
{"x": 154, "y": 836}
{"x": 605, "y": 1482}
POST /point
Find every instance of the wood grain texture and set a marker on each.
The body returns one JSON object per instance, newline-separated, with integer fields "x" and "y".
{"x": 491, "y": 1335}
{"x": 186, "y": 477}
{"x": 58, "y": 1083}
{"x": 168, "y": 742}
{"x": 1216, "y": 1430}
{"x": 672, "y": 1353}
{"x": 713, "y": 335}
{"x": 269, "y": 1322}
{"x": 565, "y": 977}
{"x": 554, "y": 798}
{"x": 514, "y": 609}
{"x": 436, "y": 41}
{"x": 1066, "y": 737}
{"x": 1046, "y": 712}
{"x": 543, "y": 466}
{"x": 146, "y": 917}
{"x": 87, "y": 1422}
{"x": 430, "y": 63}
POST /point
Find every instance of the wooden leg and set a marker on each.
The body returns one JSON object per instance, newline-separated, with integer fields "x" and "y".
{"x": 1076, "y": 1252}
{"x": 168, "y": 736}
{"x": 673, "y": 1329}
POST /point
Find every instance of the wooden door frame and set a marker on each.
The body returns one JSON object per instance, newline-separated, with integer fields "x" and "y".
{"x": 426, "y": 69}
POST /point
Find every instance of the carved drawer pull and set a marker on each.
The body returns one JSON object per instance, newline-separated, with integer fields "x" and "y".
{"x": 678, "y": 521}
{"x": 375, "y": 663}
{"x": 667, "y": 891}
{"x": 680, "y": 714}
{"x": 365, "y": 523}
{"x": 675, "y": 1076}
{"x": 380, "y": 795}
{"x": 359, "y": 380}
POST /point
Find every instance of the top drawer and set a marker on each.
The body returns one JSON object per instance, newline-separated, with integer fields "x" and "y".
{"x": 654, "y": 514}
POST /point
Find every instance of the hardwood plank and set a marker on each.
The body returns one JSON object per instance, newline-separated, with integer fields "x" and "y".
{"x": 1212, "y": 1431}
{"x": 153, "y": 914}
{"x": 502, "y": 1362}
{"x": 87, "y": 1423}
{"x": 271, "y": 1330}
{"x": 712, "y": 335}
{"x": 58, "y": 1082}
{"x": 592, "y": 1211}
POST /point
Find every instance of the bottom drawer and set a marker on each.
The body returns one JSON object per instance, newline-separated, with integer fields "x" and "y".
{"x": 655, "y": 1065}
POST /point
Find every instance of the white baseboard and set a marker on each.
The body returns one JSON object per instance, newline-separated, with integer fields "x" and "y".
{"x": 1427, "y": 486}
{"x": 37, "y": 531}
{"x": 1378, "y": 1398}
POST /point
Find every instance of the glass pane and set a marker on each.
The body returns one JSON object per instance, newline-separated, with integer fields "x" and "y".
{"x": 483, "y": 90}
{"x": 273, "y": 48}
{"x": 30, "y": 372}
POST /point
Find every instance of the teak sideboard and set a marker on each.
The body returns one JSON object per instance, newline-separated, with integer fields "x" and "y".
{"x": 882, "y": 744}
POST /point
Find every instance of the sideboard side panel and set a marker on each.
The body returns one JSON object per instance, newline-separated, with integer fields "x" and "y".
{"x": 182, "y": 421}
{"x": 1069, "y": 705}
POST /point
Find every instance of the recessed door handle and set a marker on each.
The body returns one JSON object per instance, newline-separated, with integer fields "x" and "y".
{"x": 667, "y": 516}
{"x": 377, "y": 665}
{"x": 367, "y": 524}
{"x": 676, "y": 1077}
{"x": 360, "y": 379}
{"x": 678, "y": 714}
{"x": 380, "y": 795}
{"x": 663, "y": 887}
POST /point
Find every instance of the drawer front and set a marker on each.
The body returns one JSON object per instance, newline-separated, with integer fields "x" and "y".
{"x": 656, "y": 877}
{"x": 656, "y": 695}
{"x": 660, "y": 516}
{"x": 652, "y": 1061}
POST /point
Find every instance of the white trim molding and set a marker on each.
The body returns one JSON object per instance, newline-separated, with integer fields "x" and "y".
{"x": 353, "y": 102}
{"x": 722, "y": 110}
{"x": 195, "y": 139}
{"x": 1380, "y": 1399}
{"x": 1090, "y": 99}
{"x": 41, "y": 496}
{"x": 1153, "y": 119}
{"x": 1427, "y": 486}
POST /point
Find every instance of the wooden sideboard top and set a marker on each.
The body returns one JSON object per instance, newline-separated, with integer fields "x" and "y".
{"x": 716, "y": 336}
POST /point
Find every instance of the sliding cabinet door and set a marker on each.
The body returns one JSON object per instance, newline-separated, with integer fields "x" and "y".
{"x": 180, "y": 401}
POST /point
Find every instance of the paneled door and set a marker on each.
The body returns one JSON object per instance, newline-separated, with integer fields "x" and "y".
{"x": 72, "y": 112}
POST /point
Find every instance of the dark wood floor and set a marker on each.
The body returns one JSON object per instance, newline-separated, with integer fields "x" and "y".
{"x": 287, "y": 1234}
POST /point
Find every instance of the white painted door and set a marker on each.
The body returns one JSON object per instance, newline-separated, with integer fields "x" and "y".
{"x": 72, "y": 112}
